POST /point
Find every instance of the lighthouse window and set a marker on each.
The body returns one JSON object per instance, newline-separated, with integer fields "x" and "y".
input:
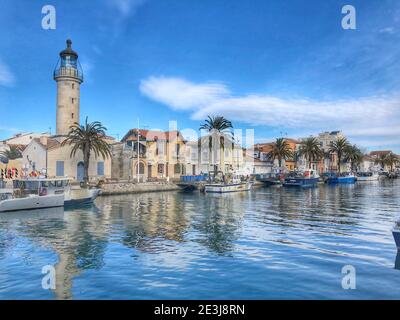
{"x": 72, "y": 115}
{"x": 73, "y": 86}
{"x": 73, "y": 100}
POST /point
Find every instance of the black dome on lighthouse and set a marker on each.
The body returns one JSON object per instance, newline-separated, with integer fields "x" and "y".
{"x": 68, "y": 51}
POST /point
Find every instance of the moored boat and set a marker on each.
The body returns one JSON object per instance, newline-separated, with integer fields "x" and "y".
{"x": 12, "y": 200}
{"x": 44, "y": 193}
{"x": 221, "y": 183}
{"x": 307, "y": 178}
{"x": 271, "y": 179}
{"x": 228, "y": 187}
{"x": 367, "y": 176}
{"x": 348, "y": 178}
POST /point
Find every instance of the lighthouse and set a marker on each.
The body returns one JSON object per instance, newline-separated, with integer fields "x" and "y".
{"x": 69, "y": 76}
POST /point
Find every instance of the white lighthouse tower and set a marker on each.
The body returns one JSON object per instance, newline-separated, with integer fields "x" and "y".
{"x": 69, "y": 76}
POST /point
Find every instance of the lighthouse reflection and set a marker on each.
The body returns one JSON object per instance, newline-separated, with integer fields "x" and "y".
{"x": 147, "y": 224}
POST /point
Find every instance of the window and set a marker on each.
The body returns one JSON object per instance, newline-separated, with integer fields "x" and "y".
{"x": 72, "y": 115}
{"x": 73, "y": 100}
{"x": 160, "y": 148}
{"x": 160, "y": 168}
{"x": 100, "y": 168}
{"x": 141, "y": 168}
{"x": 73, "y": 86}
{"x": 177, "y": 168}
{"x": 59, "y": 168}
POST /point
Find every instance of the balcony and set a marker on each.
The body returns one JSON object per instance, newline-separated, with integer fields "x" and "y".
{"x": 68, "y": 72}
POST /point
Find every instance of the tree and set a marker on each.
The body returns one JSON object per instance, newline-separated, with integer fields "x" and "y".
{"x": 381, "y": 160}
{"x": 391, "y": 159}
{"x": 339, "y": 147}
{"x": 280, "y": 150}
{"x": 219, "y": 126}
{"x": 311, "y": 150}
{"x": 88, "y": 138}
{"x": 353, "y": 155}
{"x": 12, "y": 153}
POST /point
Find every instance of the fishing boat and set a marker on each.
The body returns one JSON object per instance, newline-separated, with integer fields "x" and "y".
{"x": 37, "y": 193}
{"x": 306, "y": 178}
{"x": 228, "y": 187}
{"x": 348, "y": 178}
{"x": 221, "y": 183}
{"x": 11, "y": 200}
{"x": 367, "y": 176}
{"x": 271, "y": 179}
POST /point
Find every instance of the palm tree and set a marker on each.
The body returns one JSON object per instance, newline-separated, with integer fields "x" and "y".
{"x": 311, "y": 150}
{"x": 88, "y": 138}
{"x": 391, "y": 159}
{"x": 340, "y": 146}
{"x": 280, "y": 150}
{"x": 381, "y": 160}
{"x": 11, "y": 154}
{"x": 353, "y": 155}
{"x": 220, "y": 126}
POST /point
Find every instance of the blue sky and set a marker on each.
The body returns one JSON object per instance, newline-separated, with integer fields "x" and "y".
{"x": 280, "y": 67}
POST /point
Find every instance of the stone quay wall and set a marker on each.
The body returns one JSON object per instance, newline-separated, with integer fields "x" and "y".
{"x": 112, "y": 188}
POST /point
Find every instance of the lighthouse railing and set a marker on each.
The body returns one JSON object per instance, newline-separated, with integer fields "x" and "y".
{"x": 68, "y": 72}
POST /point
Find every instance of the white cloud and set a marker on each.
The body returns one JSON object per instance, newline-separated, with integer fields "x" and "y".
{"x": 180, "y": 94}
{"x": 389, "y": 30}
{"x": 376, "y": 116}
{"x": 127, "y": 7}
{"x": 7, "y": 78}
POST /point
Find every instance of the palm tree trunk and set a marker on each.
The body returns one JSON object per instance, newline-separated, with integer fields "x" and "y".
{"x": 222, "y": 156}
{"x": 86, "y": 159}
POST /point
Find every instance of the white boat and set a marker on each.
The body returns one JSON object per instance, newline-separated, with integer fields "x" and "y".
{"x": 228, "y": 187}
{"x": 367, "y": 176}
{"x": 10, "y": 200}
{"x": 224, "y": 183}
{"x": 48, "y": 191}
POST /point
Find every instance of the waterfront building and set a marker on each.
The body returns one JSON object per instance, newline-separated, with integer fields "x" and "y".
{"x": 254, "y": 165}
{"x": 228, "y": 158}
{"x": 261, "y": 151}
{"x": 23, "y": 139}
{"x": 368, "y": 164}
{"x": 161, "y": 156}
{"x": 329, "y": 162}
{"x": 192, "y": 157}
{"x": 47, "y": 155}
{"x": 375, "y": 155}
{"x": 294, "y": 145}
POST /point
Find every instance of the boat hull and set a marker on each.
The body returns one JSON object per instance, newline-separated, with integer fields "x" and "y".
{"x": 301, "y": 182}
{"x": 222, "y": 188}
{"x": 348, "y": 180}
{"x": 396, "y": 236}
{"x": 81, "y": 196}
{"x": 31, "y": 203}
{"x": 373, "y": 178}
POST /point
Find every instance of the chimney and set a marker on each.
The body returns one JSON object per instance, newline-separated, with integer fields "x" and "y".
{"x": 43, "y": 140}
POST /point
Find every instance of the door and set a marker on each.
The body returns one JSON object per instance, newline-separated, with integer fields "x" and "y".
{"x": 80, "y": 171}
{"x": 149, "y": 167}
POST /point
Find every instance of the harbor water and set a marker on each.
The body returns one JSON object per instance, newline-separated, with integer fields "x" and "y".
{"x": 269, "y": 243}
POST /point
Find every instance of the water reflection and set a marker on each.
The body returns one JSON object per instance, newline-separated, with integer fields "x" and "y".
{"x": 351, "y": 221}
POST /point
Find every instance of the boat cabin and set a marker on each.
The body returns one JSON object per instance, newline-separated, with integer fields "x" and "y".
{"x": 41, "y": 187}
